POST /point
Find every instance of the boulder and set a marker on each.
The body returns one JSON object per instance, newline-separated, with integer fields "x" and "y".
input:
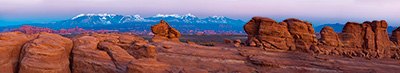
{"x": 237, "y": 43}
{"x": 163, "y": 31}
{"x": 167, "y": 47}
{"x": 228, "y": 41}
{"x": 10, "y": 47}
{"x": 190, "y": 42}
{"x": 49, "y": 53}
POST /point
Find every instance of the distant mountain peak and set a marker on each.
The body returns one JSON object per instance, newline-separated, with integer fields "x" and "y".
{"x": 92, "y": 14}
{"x": 218, "y": 17}
{"x": 175, "y": 15}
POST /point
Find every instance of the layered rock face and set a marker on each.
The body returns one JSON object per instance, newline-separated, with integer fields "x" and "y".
{"x": 163, "y": 31}
{"x": 368, "y": 39}
{"x": 289, "y": 34}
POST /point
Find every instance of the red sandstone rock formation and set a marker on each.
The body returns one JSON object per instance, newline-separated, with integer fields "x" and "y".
{"x": 369, "y": 39}
{"x": 163, "y": 31}
{"x": 267, "y": 33}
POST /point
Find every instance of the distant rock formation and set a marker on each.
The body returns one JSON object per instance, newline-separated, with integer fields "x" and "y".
{"x": 27, "y": 29}
{"x": 368, "y": 39}
{"x": 163, "y": 31}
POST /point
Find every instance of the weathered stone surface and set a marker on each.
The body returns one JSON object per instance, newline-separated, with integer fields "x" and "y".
{"x": 10, "y": 47}
{"x": 143, "y": 51}
{"x": 147, "y": 66}
{"x": 49, "y": 53}
{"x": 329, "y": 37}
{"x": 88, "y": 59}
{"x": 117, "y": 54}
{"x": 109, "y": 53}
{"x": 163, "y": 31}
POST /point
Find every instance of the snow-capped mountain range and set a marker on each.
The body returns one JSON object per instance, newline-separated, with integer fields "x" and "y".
{"x": 136, "y": 22}
{"x": 117, "y": 19}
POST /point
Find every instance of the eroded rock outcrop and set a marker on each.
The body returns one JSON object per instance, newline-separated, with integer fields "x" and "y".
{"x": 267, "y": 33}
{"x": 368, "y": 39}
{"x": 163, "y": 31}
{"x": 48, "y": 53}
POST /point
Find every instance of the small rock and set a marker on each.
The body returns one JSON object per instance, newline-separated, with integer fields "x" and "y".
{"x": 227, "y": 41}
{"x": 190, "y": 42}
{"x": 167, "y": 47}
{"x": 238, "y": 45}
{"x": 237, "y": 41}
